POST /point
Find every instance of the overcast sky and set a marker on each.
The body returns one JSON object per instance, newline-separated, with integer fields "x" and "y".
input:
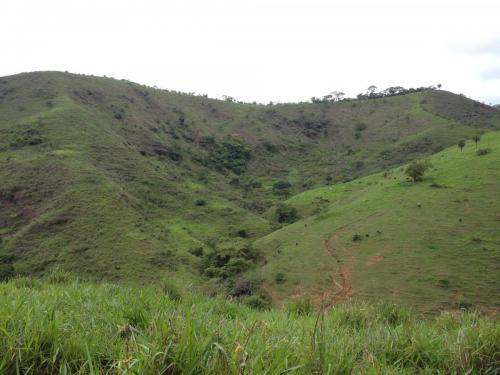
{"x": 279, "y": 50}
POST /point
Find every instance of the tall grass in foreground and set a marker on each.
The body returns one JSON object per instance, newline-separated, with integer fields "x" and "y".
{"x": 87, "y": 328}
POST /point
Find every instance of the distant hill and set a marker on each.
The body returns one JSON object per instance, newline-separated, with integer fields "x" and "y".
{"x": 119, "y": 181}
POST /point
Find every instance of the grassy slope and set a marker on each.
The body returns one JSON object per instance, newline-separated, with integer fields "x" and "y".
{"x": 85, "y": 197}
{"x": 444, "y": 253}
{"x": 73, "y": 327}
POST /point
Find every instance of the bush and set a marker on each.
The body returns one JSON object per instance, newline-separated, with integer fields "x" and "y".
{"x": 282, "y": 187}
{"x": 360, "y": 126}
{"x": 256, "y": 302}
{"x": 200, "y": 202}
{"x": 242, "y": 287}
{"x": 417, "y": 169}
{"x": 6, "y": 271}
{"x": 286, "y": 214}
{"x": 357, "y": 237}
{"x": 280, "y": 278}
{"x": 197, "y": 252}
{"x": 483, "y": 151}
{"x": 242, "y": 233}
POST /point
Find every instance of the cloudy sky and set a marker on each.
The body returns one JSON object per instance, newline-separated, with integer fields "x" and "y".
{"x": 263, "y": 50}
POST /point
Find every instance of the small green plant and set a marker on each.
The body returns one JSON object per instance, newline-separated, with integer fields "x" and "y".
{"x": 169, "y": 287}
{"x": 357, "y": 237}
{"x": 301, "y": 307}
{"x": 200, "y": 202}
{"x": 242, "y": 233}
{"x": 282, "y": 187}
{"x": 280, "y": 278}
{"x": 360, "y": 126}
{"x": 483, "y": 151}
{"x": 461, "y": 144}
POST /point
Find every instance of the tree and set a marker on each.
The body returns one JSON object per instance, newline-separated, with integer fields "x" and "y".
{"x": 228, "y": 98}
{"x": 337, "y": 96}
{"x": 439, "y": 85}
{"x": 417, "y": 169}
{"x": 476, "y": 139}
{"x": 461, "y": 144}
{"x": 371, "y": 90}
{"x": 286, "y": 214}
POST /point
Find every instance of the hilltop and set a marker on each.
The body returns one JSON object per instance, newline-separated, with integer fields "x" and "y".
{"x": 114, "y": 180}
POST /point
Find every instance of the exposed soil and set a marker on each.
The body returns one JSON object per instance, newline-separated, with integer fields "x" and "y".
{"x": 374, "y": 260}
{"x": 344, "y": 271}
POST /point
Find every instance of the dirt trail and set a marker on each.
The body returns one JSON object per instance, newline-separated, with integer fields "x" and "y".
{"x": 346, "y": 289}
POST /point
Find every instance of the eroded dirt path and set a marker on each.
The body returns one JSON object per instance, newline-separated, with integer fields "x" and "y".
{"x": 344, "y": 271}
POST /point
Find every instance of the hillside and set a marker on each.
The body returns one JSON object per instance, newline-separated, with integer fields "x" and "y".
{"x": 114, "y": 180}
{"x": 434, "y": 243}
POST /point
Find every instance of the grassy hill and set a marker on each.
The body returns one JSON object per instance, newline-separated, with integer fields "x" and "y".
{"x": 114, "y": 180}
{"x": 59, "y": 326}
{"x": 434, "y": 243}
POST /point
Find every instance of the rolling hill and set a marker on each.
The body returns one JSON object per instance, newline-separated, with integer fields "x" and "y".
{"x": 114, "y": 180}
{"x": 434, "y": 243}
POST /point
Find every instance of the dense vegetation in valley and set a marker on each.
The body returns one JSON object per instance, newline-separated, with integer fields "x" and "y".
{"x": 115, "y": 181}
{"x": 59, "y": 326}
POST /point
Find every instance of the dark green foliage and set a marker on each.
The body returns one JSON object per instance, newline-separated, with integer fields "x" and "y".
{"x": 280, "y": 278}
{"x": 242, "y": 233}
{"x": 286, "y": 214}
{"x": 360, "y": 126}
{"x": 416, "y": 170}
{"x": 30, "y": 137}
{"x": 476, "y": 139}
{"x": 357, "y": 237}
{"x": 200, "y": 202}
{"x": 197, "y": 252}
{"x": 282, "y": 187}
{"x": 483, "y": 151}
{"x": 461, "y": 144}
{"x": 6, "y": 271}
{"x": 229, "y": 262}
{"x": 256, "y": 302}
{"x": 232, "y": 155}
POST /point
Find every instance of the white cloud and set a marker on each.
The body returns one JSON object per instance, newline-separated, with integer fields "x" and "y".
{"x": 262, "y": 49}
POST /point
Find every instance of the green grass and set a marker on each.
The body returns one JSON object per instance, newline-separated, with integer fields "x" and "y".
{"x": 436, "y": 242}
{"x": 60, "y": 326}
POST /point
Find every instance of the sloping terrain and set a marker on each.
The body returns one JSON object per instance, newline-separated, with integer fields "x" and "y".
{"x": 116, "y": 180}
{"x": 434, "y": 243}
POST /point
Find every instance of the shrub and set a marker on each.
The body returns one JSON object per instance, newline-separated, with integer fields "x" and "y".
{"x": 197, "y": 252}
{"x": 357, "y": 237}
{"x": 282, "y": 187}
{"x": 417, "y": 169}
{"x": 360, "y": 126}
{"x": 280, "y": 278}
{"x": 483, "y": 151}
{"x": 256, "y": 302}
{"x": 6, "y": 271}
{"x": 242, "y": 233}
{"x": 232, "y": 155}
{"x": 242, "y": 287}
{"x": 286, "y": 214}
{"x": 200, "y": 202}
